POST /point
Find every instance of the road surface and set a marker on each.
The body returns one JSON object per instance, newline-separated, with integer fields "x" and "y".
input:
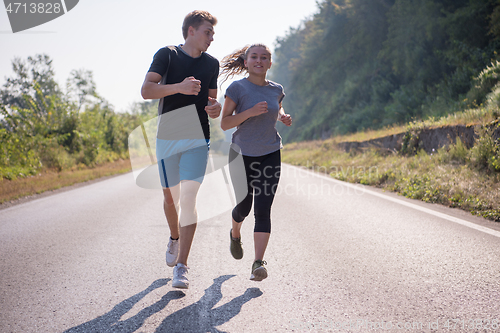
{"x": 342, "y": 258}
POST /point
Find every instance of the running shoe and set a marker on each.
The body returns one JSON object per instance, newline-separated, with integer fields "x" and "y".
{"x": 172, "y": 252}
{"x": 235, "y": 247}
{"x": 259, "y": 272}
{"x": 180, "y": 279}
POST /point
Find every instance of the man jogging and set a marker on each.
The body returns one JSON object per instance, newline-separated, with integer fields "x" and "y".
{"x": 190, "y": 84}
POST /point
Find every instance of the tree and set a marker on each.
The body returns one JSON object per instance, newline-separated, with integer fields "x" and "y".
{"x": 37, "y": 69}
{"x": 81, "y": 87}
{"x": 359, "y": 64}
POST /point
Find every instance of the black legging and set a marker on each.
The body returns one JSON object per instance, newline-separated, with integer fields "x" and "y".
{"x": 262, "y": 175}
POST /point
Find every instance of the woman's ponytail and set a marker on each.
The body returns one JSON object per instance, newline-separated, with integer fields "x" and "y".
{"x": 234, "y": 64}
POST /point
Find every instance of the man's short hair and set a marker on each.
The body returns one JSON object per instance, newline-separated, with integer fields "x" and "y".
{"x": 195, "y": 19}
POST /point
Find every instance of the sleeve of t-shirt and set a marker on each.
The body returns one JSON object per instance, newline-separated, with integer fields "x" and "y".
{"x": 160, "y": 61}
{"x": 282, "y": 94}
{"x": 213, "y": 83}
{"x": 233, "y": 92}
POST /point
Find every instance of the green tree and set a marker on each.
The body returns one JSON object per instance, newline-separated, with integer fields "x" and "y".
{"x": 80, "y": 86}
{"x": 35, "y": 69}
{"x": 40, "y": 127}
{"x": 359, "y": 64}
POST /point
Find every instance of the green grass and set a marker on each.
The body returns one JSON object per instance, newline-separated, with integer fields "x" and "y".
{"x": 453, "y": 176}
{"x": 468, "y": 117}
{"x": 51, "y": 180}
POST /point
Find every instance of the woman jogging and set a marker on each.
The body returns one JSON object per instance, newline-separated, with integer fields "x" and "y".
{"x": 253, "y": 105}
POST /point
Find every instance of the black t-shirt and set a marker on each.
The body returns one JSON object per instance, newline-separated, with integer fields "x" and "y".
{"x": 204, "y": 68}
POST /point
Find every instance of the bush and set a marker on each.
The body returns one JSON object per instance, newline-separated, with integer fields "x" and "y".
{"x": 17, "y": 155}
{"x": 459, "y": 152}
{"x": 40, "y": 127}
{"x": 55, "y": 156}
{"x": 493, "y": 99}
{"x": 485, "y": 153}
{"x": 486, "y": 83}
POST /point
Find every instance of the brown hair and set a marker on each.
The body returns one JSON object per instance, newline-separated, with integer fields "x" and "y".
{"x": 234, "y": 63}
{"x": 195, "y": 19}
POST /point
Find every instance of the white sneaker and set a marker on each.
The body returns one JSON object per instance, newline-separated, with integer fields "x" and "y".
{"x": 180, "y": 279}
{"x": 172, "y": 252}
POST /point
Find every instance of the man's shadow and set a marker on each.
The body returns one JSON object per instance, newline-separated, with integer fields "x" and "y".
{"x": 197, "y": 317}
{"x": 201, "y": 316}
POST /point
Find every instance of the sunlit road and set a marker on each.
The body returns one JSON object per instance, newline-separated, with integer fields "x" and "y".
{"x": 340, "y": 259}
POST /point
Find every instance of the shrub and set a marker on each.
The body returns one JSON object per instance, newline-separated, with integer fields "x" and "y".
{"x": 55, "y": 156}
{"x": 459, "y": 152}
{"x": 17, "y": 155}
{"x": 484, "y": 154}
{"x": 487, "y": 83}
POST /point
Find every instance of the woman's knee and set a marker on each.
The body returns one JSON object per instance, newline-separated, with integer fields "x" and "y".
{"x": 262, "y": 224}
{"x": 239, "y": 213}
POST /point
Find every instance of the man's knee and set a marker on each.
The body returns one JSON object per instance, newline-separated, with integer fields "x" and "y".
{"x": 169, "y": 203}
{"x": 169, "y": 200}
{"x": 188, "y": 194}
{"x": 188, "y": 201}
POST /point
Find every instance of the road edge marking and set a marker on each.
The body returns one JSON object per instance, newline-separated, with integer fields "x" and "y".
{"x": 402, "y": 202}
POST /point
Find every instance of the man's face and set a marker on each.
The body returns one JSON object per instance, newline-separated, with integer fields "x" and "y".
{"x": 203, "y": 36}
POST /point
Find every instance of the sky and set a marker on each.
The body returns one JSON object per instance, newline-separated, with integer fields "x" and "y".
{"x": 116, "y": 39}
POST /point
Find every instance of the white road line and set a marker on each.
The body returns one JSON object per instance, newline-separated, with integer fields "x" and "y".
{"x": 363, "y": 188}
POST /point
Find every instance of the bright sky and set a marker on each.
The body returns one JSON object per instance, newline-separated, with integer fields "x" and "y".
{"x": 116, "y": 39}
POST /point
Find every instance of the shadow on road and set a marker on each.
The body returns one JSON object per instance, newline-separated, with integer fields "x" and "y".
{"x": 110, "y": 322}
{"x": 197, "y": 317}
{"x": 201, "y": 316}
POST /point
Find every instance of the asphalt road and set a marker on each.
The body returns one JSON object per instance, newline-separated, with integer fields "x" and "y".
{"x": 341, "y": 258}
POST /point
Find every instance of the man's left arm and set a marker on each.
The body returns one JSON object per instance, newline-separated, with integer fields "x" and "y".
{"x": 213, "y": 108}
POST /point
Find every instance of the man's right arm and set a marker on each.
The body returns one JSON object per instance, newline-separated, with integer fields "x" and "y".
{"x": 152, "y": 90}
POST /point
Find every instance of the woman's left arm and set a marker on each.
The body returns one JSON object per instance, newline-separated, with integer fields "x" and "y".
{"x": 283, "y": 117}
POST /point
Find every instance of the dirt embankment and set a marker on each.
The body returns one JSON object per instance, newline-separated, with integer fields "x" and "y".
{"x": 429, "y": 139}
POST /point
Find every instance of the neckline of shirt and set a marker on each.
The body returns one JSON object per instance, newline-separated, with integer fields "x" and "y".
{"x": 267, "y": 85}
{"x": 180, "y": 48}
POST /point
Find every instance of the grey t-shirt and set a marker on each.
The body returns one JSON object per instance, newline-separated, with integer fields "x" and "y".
{"x": 257, "y": 136}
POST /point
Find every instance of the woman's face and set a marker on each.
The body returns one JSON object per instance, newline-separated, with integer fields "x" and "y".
{"x": 258, "y": 60}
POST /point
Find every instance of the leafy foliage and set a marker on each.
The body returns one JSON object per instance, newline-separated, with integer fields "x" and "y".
{"x": 41, "y": 127}
{"x": 367, "y": 64}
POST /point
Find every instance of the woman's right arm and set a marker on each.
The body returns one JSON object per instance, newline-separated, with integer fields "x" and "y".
{"x": 230, "y": 120}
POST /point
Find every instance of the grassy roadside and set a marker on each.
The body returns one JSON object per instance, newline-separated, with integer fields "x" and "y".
{"x": 467, "y": 117}
{"x": 453, "y": 176}
{"x": 50, "y": 180}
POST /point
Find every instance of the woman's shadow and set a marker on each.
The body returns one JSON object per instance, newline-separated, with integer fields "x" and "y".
{"x": 197, "y": 317}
